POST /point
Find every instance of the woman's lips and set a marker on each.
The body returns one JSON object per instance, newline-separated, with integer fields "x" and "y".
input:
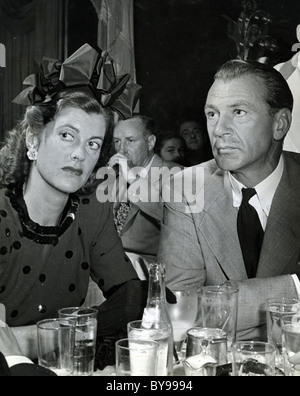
{"x": 73, "y": 171}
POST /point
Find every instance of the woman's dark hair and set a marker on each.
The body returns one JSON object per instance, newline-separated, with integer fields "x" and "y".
{"x": 163, "y": 137}
{"x": 277, "y": 92}
{"x": 14, "y": 164}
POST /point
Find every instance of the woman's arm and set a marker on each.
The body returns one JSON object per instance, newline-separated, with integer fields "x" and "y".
{"x": 27, "y": 340}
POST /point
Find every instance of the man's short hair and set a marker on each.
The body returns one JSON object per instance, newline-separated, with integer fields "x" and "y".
{"x": 277, "y": 91}
{"x": 149, "y": 124}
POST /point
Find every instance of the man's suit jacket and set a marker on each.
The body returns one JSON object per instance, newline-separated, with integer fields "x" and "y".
{"x": 140, "y": 234}
{"x": 203, "y": 248}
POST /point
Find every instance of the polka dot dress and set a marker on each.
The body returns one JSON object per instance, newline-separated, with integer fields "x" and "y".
{"x": 44, "y": 269}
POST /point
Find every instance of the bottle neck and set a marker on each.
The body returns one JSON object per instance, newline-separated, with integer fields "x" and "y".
{"x": 157, "y": 290}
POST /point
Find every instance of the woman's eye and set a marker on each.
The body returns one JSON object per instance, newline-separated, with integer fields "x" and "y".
{"x": 67, "y": 136}
{"x": 94, "y": 146}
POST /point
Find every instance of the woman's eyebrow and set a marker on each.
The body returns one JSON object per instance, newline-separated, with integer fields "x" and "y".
{"x": 78, "y": 131}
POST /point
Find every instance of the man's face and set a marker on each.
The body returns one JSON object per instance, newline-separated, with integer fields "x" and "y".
{"x": 130, "y": 141}
{"x": 239, "y": 124}
{"x": 192, "y": 134}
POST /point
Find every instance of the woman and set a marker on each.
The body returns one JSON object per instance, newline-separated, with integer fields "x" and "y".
{"x": 171, "y": 147}
{"x": 52, "y": 237}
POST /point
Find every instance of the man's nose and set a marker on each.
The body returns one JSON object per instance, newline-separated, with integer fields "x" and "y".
{"x": 223, "y": 126}
{"x": 122, "y": 149}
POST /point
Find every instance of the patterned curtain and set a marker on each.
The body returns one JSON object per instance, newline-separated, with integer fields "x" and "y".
{"x": 116, "y": 32}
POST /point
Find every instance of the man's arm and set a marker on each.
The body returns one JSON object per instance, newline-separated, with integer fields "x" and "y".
{"x": 179, "y": 249}
{"x": 181, "y": 252}
{"x": 253, "y": 294}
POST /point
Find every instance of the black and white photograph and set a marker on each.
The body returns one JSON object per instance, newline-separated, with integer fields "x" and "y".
{"x": 149, "y": 190}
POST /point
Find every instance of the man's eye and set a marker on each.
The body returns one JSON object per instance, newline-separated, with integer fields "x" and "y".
{"x": 211, "y": 115}
{"x": 240, "y": 113}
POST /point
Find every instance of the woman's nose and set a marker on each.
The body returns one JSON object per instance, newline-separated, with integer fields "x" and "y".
{"x": 78, "y": 154}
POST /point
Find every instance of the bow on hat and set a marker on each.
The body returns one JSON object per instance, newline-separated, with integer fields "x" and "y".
{"x": 86, "y": 68}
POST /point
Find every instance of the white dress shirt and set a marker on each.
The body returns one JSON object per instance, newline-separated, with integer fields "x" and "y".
{"x": 263, "y": 199}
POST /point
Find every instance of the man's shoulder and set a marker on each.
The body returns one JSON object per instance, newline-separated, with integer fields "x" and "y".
{"x": 293, "y": 159}
{"x": 207, "y": 169}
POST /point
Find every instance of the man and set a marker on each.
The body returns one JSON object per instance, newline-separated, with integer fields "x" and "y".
{"x": 138, "y": 218}
{"x": 291, "y": 72}
{"x": 195, "y": 137}
{"x": 248, "y": 114}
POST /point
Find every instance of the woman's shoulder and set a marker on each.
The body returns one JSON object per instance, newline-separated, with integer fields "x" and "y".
{"x": 93, "y": 213}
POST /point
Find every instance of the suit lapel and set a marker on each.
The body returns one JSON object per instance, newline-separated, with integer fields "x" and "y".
{"x": 218, "y": 226}
{"x": 281, "y": 242}
{"x": 156, "y": 163}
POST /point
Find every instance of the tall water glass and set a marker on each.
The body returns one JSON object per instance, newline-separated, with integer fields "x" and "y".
{"x": 276, "y": 309}
{"x": 85, "y": 321}
{"x": 136, "y": 358}
{"x": 56, "y": 346}
{"x": 159, "y": 332}
{"x": 183, "y": 314}
{"x": 290, "y": 325}
{"x": 219, "y": 306}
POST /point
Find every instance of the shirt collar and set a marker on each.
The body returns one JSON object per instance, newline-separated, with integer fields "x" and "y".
{"x": 143, "y": 173}
{"x": 265, "y": 190}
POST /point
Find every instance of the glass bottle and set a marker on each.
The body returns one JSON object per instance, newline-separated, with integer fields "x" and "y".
{"x": 156, "y": 309}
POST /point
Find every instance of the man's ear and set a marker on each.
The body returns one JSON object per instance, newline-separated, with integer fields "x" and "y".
{"x": 282, "y": 124}
{"x": 298, "y": 32}
{"x": 151, "y": 142}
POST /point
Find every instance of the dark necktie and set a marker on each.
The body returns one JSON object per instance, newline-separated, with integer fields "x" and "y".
{"x": 250, "y": 233}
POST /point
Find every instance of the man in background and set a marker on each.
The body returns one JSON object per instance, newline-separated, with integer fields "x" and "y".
{"x": 138, "y": 219}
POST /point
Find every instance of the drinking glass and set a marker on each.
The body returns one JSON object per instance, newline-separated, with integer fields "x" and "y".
{"x": 56, "y": 346}
{"x": 219, "y": 306}
{"x": 253, "y": 359}
{"x": 183, "y": 314}
{"x": 276, "y": 309}
{"x": 159, "y": 332}
{"x": 85, "y": 321}
{"x": 290, "y": 325}
{"x": 136, "y": 358}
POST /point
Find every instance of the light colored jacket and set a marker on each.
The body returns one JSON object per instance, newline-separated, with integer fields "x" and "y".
{"x": 203, "y": 248}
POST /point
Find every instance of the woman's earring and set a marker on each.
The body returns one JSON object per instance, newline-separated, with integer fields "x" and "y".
{"x": 32, "y": 154}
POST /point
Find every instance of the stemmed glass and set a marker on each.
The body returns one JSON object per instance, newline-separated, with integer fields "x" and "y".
{"x": 183, "y": 315}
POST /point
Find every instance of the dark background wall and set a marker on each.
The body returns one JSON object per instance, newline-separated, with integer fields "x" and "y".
{"x": 179, "y": 45}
